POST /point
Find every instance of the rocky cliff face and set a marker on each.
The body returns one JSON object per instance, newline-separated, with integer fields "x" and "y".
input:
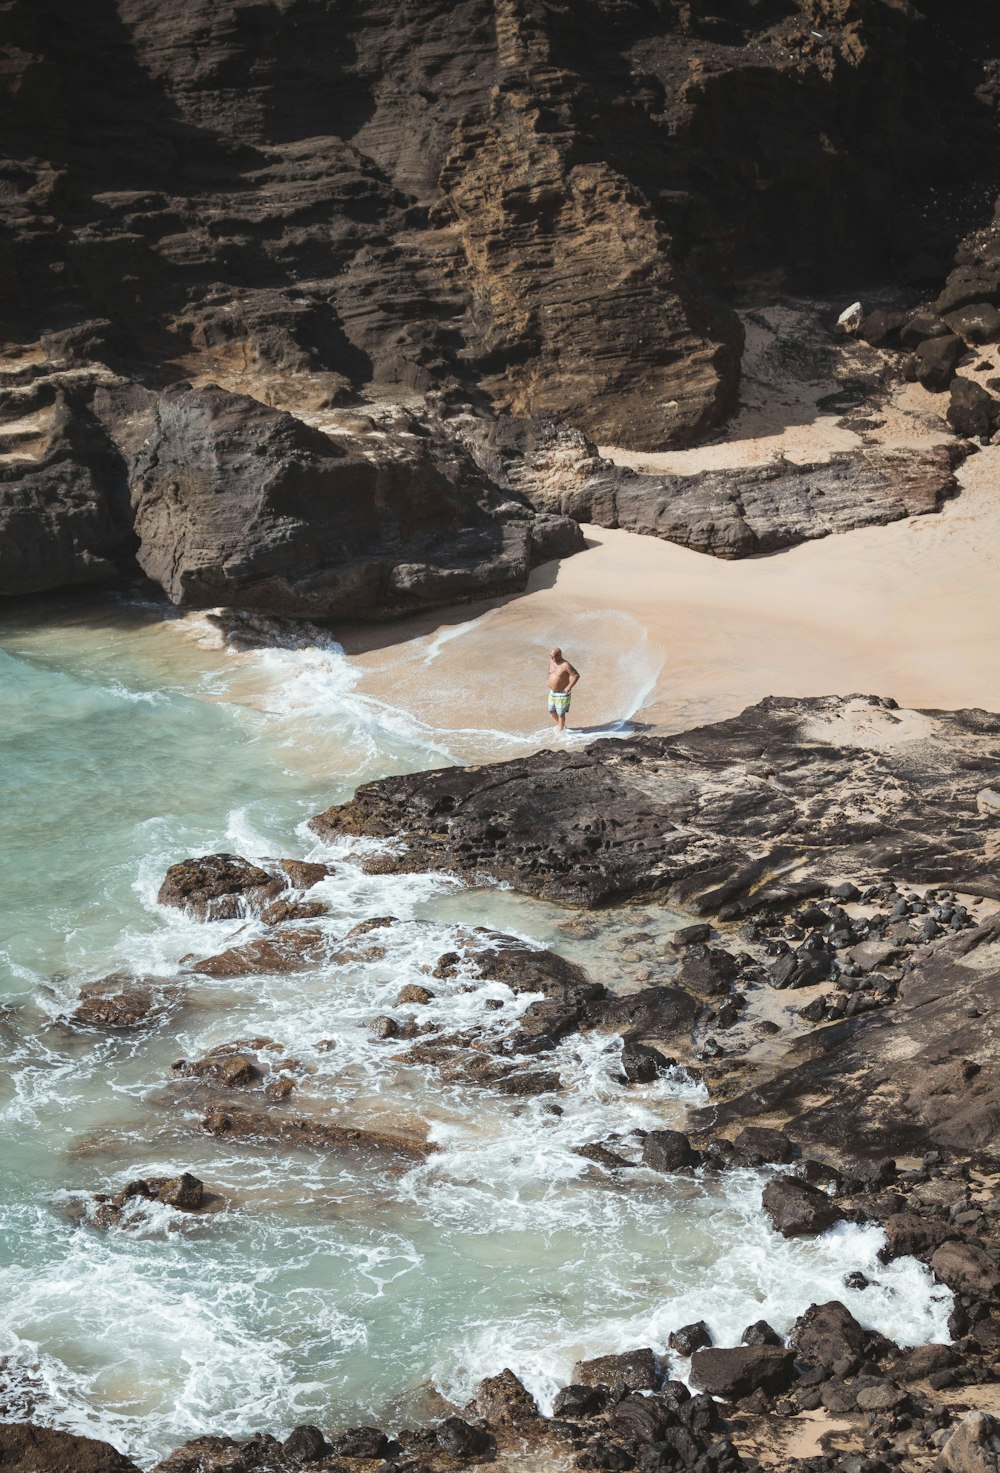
{"x": 524, "y": 207}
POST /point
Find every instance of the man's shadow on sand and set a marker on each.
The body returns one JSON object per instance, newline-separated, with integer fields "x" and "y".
{"x": 611, "y": 728}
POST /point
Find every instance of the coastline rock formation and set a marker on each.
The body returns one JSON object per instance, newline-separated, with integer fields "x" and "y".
{"x": 492, "y": 212}
{"x": 735, "y": 513}
{"x": 787, "y": 797}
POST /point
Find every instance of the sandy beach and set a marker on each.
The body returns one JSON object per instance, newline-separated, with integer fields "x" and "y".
{"x": 671, "y": 638}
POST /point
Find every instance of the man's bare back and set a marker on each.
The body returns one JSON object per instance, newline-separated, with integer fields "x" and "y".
{"x": 562, "y": 678}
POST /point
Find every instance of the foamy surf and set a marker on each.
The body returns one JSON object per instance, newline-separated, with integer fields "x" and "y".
{"x": 322, "y": 1288}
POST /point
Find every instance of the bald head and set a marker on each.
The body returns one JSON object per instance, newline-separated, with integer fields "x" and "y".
{"x": 555, "y": 654}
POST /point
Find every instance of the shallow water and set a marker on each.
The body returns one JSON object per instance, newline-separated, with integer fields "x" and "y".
{"x": 326, "y": 1287}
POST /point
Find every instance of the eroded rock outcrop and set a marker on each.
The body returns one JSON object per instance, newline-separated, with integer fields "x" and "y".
{"x": 249, "y": 507}
{"x": 761, "y": 508}
{"x": 724, "y": 817}
{"x": 480, "y": 204}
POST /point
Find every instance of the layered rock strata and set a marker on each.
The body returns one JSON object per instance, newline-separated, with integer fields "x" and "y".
{"x": 485, "y": 206}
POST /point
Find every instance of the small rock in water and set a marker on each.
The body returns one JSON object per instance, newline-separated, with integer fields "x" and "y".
{"x": 691, "y": 935}
{"x": 797, "y": 1209}
{"x": 641, "y": 1064}
{"x": 668, "y": 1150}
{"x": 690, "y": 1338}
{"x": 414, "y": 993}
{"x": 760, "y": 1333}
{"x": 383, "y": 1027}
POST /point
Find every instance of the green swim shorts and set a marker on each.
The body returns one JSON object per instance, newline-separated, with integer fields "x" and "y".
{"x": 558, "y": 702}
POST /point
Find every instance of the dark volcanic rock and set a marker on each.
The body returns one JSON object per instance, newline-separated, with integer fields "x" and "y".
{"x": 25, "y": 1448}
{"x": 760, "y": 1333}
{"x": 633, "y": 1370}
{"x": 742, "y": 1371}
{"x": 498, "y": 210}
{"x": 908, "y": 1234}
{"x": 641, "y": 1064}
{"x": 217, "y": 887}
{"x": 579, "y": 1401}
{"x": 711, "y": 814}
{"x": 967, "y": 1269}
{"x": 798, "y": 1209}
{"x": 971, "y": 410}
{"x": 906, "y": 1080}
{"x": 760, "y": 1145}
{"x": 708, "y": 971}
{"x": 652, "y": 1012}
{"x": 459, "y": 1439}
{"x": 503, "y": 1400}
{"x": 246, "y": 506}
{"x": 690, "y": 1338}
{"x": 260, "y": 1453}
{"x": 829, "y": 1334}
{"x": 305, "y": 1444}
{"x": 668, "y": 1150}
{"x": 758, "y": 509}
{"x": 64, "y": 507}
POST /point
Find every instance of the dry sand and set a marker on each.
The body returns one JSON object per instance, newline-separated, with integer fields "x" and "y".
{"x": 674, "y": 638}
{"x": 671, "y": 638}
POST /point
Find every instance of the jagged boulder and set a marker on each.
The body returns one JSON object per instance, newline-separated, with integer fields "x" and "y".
{"x": 742, "y": 1370}
{"x": 798, "y": 1209}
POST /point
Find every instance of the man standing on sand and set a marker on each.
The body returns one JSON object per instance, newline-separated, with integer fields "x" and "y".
{"x": 562, "y": 678}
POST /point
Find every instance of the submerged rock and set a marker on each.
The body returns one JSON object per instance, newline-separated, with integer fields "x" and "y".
{"x": 185, "y": 1192}
{"x": 287, "y": 949}
{"x": 123, "y": 1001}
{"x": 319, "y": 1134}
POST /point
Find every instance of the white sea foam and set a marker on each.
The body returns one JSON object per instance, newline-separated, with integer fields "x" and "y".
{"x": 327, "y": 1283}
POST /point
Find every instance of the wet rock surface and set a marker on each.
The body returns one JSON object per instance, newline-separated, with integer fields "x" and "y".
{"x": 123, "y": 1002}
